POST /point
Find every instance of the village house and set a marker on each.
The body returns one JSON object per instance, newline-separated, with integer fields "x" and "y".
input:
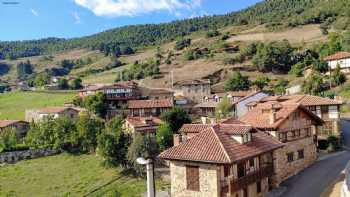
{"x": 54, "y": 112}
{"x": 156, "y": 93}
{"x": 341, "y": 58}
{"x": 142, "y": 125}
{"x": 195, "y": 90}
{"x": 146, "y": 108}
{"x": 90, "y": 90}
{"x": 326, "y": 109}
{"x": 20, "y": 127}
{"x": 239, "y": 100}
{"x": 222, "y": 160}
{"x": 293, "y": 125}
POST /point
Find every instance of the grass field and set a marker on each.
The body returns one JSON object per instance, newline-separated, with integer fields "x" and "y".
{"x": 14, "y": 104}
{"x": 68, "y": 175}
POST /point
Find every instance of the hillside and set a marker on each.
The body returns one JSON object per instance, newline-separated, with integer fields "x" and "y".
{"x": 304, "y": 23}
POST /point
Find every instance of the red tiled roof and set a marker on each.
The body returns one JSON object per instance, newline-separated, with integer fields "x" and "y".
{"x": 141, "y": 121}
{"x": 49, "y": 110}
{"x": 215, "y": 145}
{"x": 247, "y": 96}
{"x": 161, "y": 103}
{"x": 305, "y": 100}
{"x": 338, "y": 56}
{"x": 240, "y": 93}
{"x": 6, "y": 123}
{"x": 232, "y": 121}
{"x": 261, "y": 120}
{"x": 194, "y": 128}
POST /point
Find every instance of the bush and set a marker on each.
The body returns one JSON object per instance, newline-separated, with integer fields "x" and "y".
{"x": 237, "y": 82}
{"x": 297, "y": 69}
{"x": 176, "y": 117}
{"x": 333, "y": 143}
{"x": 164, "y": 136}
{"x": 183, "y": 43}
{"x": 8, "y": 140}
{"x": 212, "y": 33}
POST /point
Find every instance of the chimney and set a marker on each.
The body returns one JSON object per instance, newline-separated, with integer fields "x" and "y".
{"x": 272, "y": 117}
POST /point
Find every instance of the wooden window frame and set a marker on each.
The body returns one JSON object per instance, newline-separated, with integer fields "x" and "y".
{"x": 258, "y": 187}
{"x": 290, "y": 157}
{"x": 192, "y": 178}
{"x": 301, "y": 154}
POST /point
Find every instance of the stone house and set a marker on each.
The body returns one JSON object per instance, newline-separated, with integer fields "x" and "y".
{"x": 341, "y": 58}
{"x": 146, "y": 108}
{"x": 293, "y": 125}
{"x": 55, "y": 112}
{"x": 21, "y": 127}
{"x": 195, "y": 90}
{"x": 222, "y": 160}
{"x": 143, "y": 125}
{"x": 326, "y": 109}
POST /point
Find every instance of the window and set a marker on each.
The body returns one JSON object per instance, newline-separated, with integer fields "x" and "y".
{"x": 282, "y": 137}
{"x": 301, "y": 154}
{"x": 227, "y": 170}
{"x": 251, "y": 162}
{"x": 293, "y": 133}
{"x": 258, "y": 187}
{"x": 290, "y": 157}
{"x": 241, "y": 170}
{"x": 295, "y": 115}
{"x": 308, "y": 132}
{"x": 192, "y": 178}
{"x": 297, "y": 132}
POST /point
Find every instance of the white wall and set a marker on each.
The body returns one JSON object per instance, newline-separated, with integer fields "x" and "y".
{"x": 344, "y": 63}
{"x": 241, "y": 106}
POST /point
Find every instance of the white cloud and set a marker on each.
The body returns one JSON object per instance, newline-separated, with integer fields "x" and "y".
{"x": 34, "y": 12}
{"x": 76, "y": 17}
{"x": 116, "y": 8}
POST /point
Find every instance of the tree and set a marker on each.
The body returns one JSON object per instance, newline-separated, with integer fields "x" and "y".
{"x": 280, "y": 87}
{"x": 41, "y": 134}
{"x": 24, "y": 69}
{"x": 164, "y": 136}
{"x": 224, "y": 108}
{"x": 182, "y": 43}
{"x": 237, "y": 82}
{"x": 112, "y": 143}
{"x": 88, "y": 129}
{"x": 297, "y": 69}
{"x": 75, "y": 84}
{"x": 176, "y": 117}
{"x": 8, "y": 140}
{"x": 313, "y": 84}
{"x": 275, "y": 56}
{"x": 261, "y": 82}
{"x": 338, "y": 77}
{"x": 63, "y": 84}
{"x": 142, "y": 146}
{"x": 320, "y": 66}
{"x": 96, "y": 104}
{"x": 64, "y": 132}
{"x": 41, "y": 79}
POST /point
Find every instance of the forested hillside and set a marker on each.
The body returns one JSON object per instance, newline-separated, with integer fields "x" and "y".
{"x": 274, "y": 13}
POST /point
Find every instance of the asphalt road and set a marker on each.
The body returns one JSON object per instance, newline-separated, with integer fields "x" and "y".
{"x": 314, "y": 180}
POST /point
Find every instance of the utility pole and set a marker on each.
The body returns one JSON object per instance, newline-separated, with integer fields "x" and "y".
{"x": 150, "y": 175}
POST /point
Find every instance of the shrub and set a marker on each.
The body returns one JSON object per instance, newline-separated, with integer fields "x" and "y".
{"x": 237, "y": 82}
{"x": 8, "y": 140}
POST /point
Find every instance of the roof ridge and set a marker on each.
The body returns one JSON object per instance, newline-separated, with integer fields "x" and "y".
{"x": 220, "y": 143}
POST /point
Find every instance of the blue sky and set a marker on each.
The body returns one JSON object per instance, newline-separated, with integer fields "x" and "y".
{"x": 35, "y": 19}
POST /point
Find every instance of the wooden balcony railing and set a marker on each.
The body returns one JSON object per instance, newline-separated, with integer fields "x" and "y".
{"x": 242, "y": 182}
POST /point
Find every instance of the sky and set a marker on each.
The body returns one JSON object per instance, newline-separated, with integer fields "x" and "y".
{"x": 35, "y": 19}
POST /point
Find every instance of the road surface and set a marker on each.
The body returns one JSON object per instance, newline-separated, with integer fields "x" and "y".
{"x": 314, "y": 180}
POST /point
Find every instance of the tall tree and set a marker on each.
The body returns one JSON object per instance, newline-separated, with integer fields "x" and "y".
{"x": 237, "y": 82}
{"x": 176, "y": 117}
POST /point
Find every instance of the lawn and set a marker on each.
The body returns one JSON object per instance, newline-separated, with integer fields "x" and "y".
{"x": 14, "y": 104}
{"x": 68, "y": 175}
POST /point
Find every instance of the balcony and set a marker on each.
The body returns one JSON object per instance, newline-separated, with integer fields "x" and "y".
{"x": 234, "y": 184}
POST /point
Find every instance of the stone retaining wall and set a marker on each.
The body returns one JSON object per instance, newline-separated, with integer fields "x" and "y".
{"x": 13, "y": 157}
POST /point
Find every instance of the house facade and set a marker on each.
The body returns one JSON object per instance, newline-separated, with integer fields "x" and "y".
{"x": 143, "y": 125}
{"x": 222, "y": 160}
{"x": 326, "y": 109}
{"x": 156, "y": 93}
{"x": 146, "y": 108}
{"x": 54, "y": 112}
{"x": 195, "y": 90}
{"x": 294, "y": 126}
{"x": 21, "y": 127}
{"x": 341, "y": 58}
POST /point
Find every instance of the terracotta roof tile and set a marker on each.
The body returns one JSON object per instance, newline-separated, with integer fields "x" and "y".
{"x": 161, "y": 103}
{"x": 194, "y": 128}
{"x": 260, "y": 119}
{"x": 49, "y": 110}
{"x": 215, "y": 145}
{"x": 144, "y": 121}
{"x": 208, "y": 104}
{"x": 305, "y": 100}
{"x": 338, "y": 56}
{"x": 6, "y": 123}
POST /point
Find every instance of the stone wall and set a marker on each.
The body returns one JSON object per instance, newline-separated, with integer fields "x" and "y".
{"x": 208, "y": 180}
{"x": 15, "y": 156}
{"x": 285, "y": 169}
{"x": 252, "y": 189}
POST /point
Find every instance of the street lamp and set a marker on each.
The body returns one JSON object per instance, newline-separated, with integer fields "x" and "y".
{"x": 150, "y": 175}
